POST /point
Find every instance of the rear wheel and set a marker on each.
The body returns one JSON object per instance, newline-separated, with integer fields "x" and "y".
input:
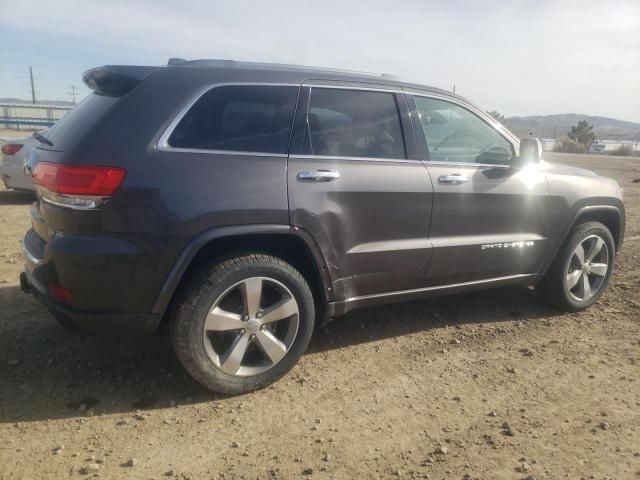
{"x": 580, "y": 273}
{"x": 243, "y": 323}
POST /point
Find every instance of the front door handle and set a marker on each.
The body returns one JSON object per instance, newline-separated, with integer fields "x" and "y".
{"x": 318, "y": 176}
{"x": 454, "y": 179}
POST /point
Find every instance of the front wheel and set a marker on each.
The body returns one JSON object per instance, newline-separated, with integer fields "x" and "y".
{"x": 243, "y": 323}
{"x": 581, "y": 271}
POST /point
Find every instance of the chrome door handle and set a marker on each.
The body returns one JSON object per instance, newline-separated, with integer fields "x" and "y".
{"x": 454, "y": 178}
{"x": 317, "y": 176}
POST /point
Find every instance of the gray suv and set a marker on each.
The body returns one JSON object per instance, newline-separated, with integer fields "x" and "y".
{"x": 242, "y": 203}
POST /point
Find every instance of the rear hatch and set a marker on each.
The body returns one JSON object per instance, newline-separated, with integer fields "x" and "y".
{"x": 71, "y": 187}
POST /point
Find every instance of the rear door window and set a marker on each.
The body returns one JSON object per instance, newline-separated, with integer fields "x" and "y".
{"x": 353, "y": 123}
{"x": 239, "y": 118}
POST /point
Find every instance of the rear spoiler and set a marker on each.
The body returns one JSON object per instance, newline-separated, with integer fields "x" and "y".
{"x": 115, "y": 80}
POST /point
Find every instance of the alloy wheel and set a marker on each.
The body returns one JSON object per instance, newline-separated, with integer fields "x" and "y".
{"x": 251, "y": 326}
{"x": 588, "y": 267}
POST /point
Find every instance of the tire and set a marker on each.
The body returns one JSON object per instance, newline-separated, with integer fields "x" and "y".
{"x": 224, "y": 293}
{"x": 555, "y": 286}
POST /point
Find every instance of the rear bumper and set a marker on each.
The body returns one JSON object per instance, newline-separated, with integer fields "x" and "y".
{"x": 88, "y": 322}
{"x": 91, "y": 323}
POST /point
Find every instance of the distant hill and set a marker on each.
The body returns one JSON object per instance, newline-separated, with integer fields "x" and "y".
{"x": 62, "y": 103}
{"x": 553, "y": 126}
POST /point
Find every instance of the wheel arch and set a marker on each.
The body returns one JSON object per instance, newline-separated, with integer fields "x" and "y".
{"x": 611, "y": 216}
{"x": 282, "y": 241}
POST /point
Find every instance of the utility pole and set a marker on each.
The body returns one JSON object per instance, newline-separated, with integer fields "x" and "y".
{"x": 73, "y": 94}
{"x": 33, "y": 90}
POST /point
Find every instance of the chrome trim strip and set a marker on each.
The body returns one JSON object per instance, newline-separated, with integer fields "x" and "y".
{"x": 366, "y": 159}
{"x": 383, "y": 88}
{"x": 95, "y": 201}
{"x": 163, "y": 142}
{"x": 438, "y": 287}
{"x": 30, "y": 257}
{"x": 467, "y": 164}
{"x": 392, "y": 245}
{"x": 478, "y": 240}
{"x": 222, "y": 152}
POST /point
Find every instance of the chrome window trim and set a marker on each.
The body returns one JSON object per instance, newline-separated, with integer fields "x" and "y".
{"x": 383, "y": 88}
{"x": 481, "y": 116}
{"x": 364, "y": 159}
{"x": 438, "y": 287}
{"x": 222, "y": 152}
{"x": 469, "y": 164}
{"x": 163, "y": 142}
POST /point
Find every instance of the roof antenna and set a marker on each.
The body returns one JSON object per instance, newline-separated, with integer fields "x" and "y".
{"x": 175, "y": 61}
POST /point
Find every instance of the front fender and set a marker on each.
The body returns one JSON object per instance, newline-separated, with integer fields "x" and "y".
{"x": 584, "y": 210}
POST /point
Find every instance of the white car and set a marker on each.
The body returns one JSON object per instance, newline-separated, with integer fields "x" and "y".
{"x": 14, "y": 152}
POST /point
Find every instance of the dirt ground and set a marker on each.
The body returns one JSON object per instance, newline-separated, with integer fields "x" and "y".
{"x": 488, "y": 385}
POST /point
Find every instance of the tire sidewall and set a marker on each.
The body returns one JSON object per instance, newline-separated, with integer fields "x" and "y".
{"x": 592, "y": 229}
{"x": 191, "y": 316}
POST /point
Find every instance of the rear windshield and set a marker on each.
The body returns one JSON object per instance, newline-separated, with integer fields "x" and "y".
{"x": 78, "y": 121}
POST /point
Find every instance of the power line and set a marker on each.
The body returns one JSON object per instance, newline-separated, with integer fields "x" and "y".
{"x": 34, "y": 84}
{"x": 73, "y": 94}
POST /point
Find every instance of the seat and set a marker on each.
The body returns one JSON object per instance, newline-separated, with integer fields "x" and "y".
{"x": 317, "y": 144}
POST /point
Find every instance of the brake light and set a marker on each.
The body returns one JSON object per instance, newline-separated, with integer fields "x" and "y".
{"x": 78, "y": 180}
{"x": 11, "y": 148}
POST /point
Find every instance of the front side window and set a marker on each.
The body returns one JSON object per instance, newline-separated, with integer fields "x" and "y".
{"x": 353, "y": 123}
{"x": 454, "y": 134}
{"x": 243, "y": 118}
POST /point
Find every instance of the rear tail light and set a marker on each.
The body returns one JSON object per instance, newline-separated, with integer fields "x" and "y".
{"x": 11, "y": 148}
{"x": 77, "y": 186}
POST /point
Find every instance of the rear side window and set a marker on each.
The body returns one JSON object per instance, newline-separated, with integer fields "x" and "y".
{"x": 240, "y": 118}
{"x": 353, "y": 123}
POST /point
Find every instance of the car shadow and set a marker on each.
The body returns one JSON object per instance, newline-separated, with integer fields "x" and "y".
{"x": 16, "y": 197}
{"x": 47, "y": 372}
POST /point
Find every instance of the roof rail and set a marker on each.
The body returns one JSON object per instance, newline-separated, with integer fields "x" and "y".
{"x": 276, "y": 66}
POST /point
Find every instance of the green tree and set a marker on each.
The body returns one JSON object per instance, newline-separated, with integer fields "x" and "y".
{"x": 582, "y": 133}
{"x": 497, "y": 115}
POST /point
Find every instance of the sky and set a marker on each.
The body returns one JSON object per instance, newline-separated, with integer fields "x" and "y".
{"x": 532, "y": 57}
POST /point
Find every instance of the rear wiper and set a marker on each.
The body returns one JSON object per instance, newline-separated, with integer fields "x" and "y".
{"x": 42, "y": 139}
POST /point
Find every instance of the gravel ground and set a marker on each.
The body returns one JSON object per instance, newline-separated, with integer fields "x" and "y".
{"x": 489, "y": 385}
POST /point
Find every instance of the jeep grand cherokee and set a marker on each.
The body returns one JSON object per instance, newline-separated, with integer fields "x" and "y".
{"x": 242, "y": 202}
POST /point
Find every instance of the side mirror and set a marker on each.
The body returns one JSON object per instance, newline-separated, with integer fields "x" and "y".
{"x": 530, "y": 150}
